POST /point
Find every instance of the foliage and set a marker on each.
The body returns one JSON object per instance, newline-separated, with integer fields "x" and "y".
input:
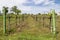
{"x": 29, "y": 29}
{"x": 14, "y": 9}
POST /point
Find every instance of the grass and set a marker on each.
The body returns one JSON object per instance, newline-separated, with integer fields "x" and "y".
{"x": 29, "y": 29}
{"x": 24, "y": 36}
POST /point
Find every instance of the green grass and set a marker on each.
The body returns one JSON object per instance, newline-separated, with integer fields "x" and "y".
{"x": 24, "y": 36}
{"x": 30, "y": 29}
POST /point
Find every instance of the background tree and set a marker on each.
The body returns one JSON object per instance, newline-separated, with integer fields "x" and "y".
{"x": 16, "y": 11}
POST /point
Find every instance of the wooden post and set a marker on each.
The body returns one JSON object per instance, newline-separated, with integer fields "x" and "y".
{"x": 16, "y": 20}
{"x": 43, "y": 20}
{"x": 9, "y": 17}
{"x": 36, "y": 18}
{"x": 22, "y": 17}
